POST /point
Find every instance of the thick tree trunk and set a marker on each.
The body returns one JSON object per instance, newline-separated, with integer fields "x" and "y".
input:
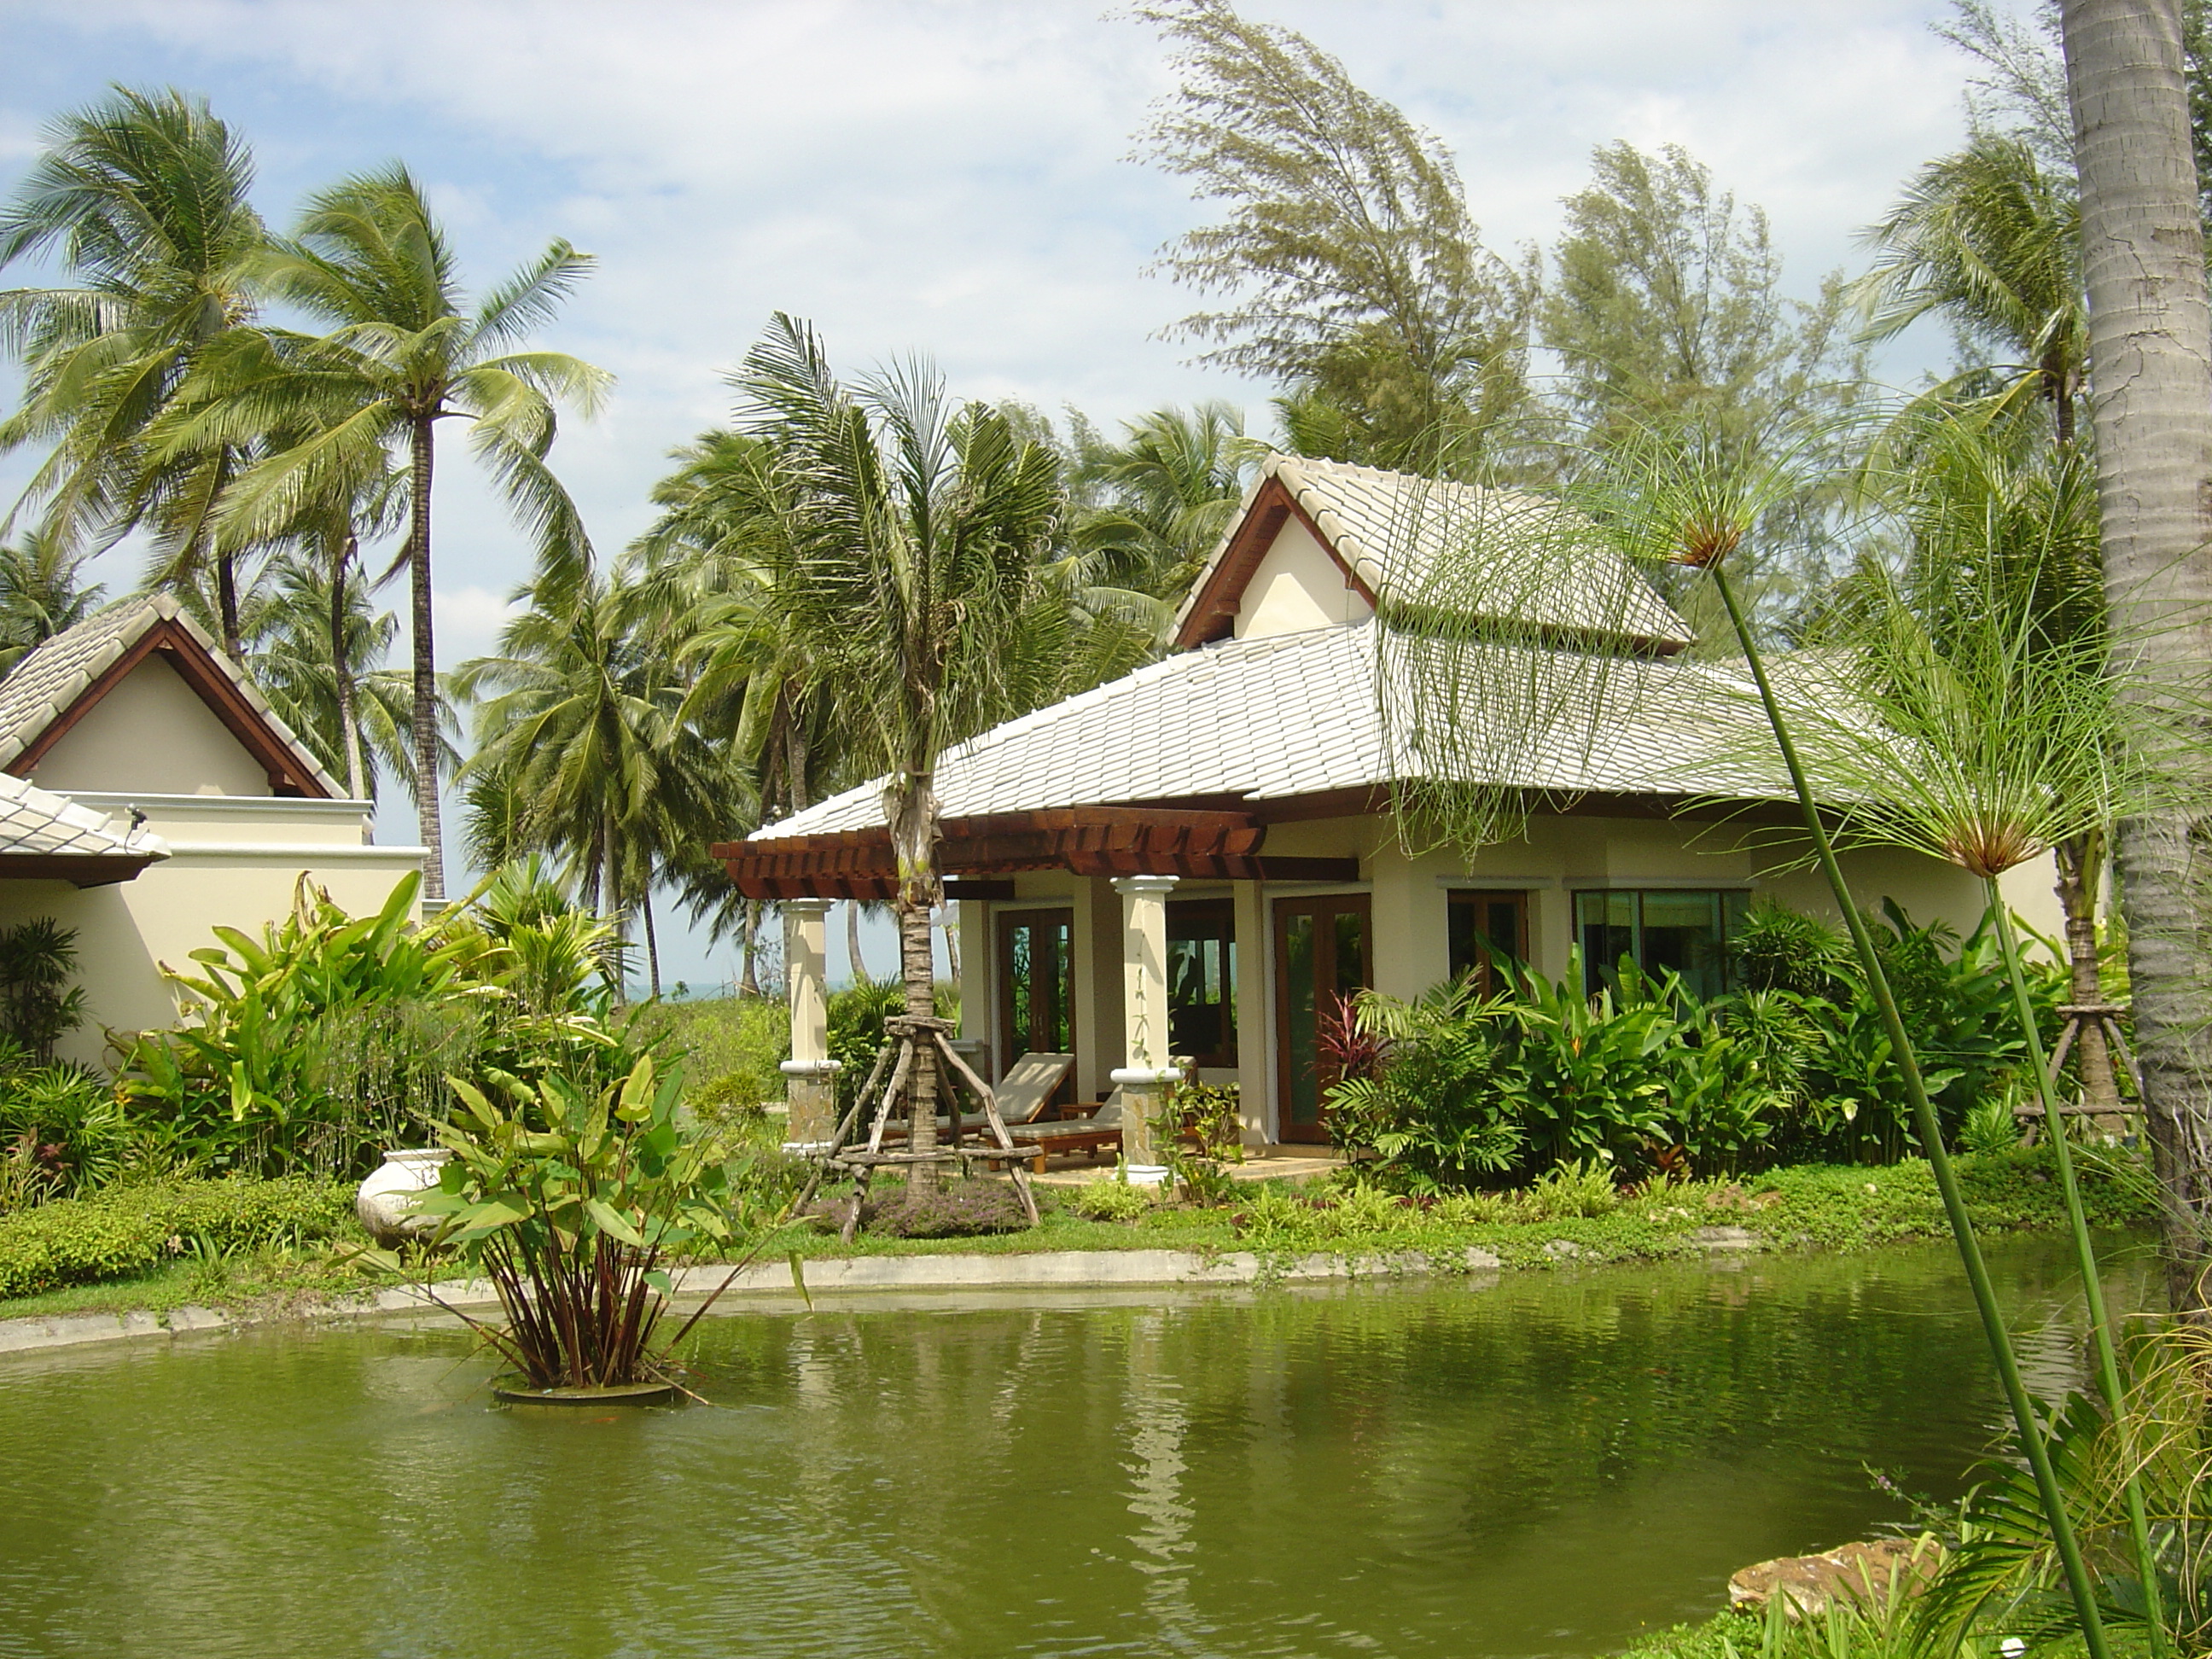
{"x": 342, "y": 672}
{"x": 422, "y": 457}
{"x": 2150, "y": 346}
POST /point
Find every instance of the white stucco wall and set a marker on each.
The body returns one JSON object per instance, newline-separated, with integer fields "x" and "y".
{"x": 1297, "y": 587}
{"x": 152, "y": 732}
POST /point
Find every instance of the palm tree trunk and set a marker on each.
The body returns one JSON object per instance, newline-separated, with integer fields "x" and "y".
{"x": 911, "y": 812}
{"x": 342, "y": 671}
{"x": 610, "y": 906}
{"x": 652, "y": 938}
{"x": 2150, "y": 341}
{"x": 861, "y": 975}
{"x": 749, "y": 950}
{"x": 225, "y": 598}
{"x": 422, "y": 456}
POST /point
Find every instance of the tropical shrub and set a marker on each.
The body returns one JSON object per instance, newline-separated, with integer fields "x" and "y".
{"x": 1453, "y": 1091}
{"x": 37, "y": 1005}
{"x": 130, "y": 1229}
{"x": 1112, "y": 1200}
{"x": 75, "y": 1135}
{"x": 329, "y": 1038}
{"x": 569, "y": 1198}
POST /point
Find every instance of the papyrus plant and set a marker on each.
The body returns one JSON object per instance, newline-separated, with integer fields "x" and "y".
{"x": 1951, "y": 716}
{"x": 1490, "y": 712}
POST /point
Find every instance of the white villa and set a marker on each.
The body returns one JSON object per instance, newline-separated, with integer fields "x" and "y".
{"x": 148, "y": 795}
{"x": 1188, "y": 863}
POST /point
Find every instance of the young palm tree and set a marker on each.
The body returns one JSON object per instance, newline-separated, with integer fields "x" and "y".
{"x": 404, "y": 352}
{"x": 143, "y": 196}
{"x": 907, "y": 578}
{"x": 1161, "y": 498}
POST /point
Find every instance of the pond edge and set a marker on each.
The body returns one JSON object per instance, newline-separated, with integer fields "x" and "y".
{"x": 1052, "y": 1269}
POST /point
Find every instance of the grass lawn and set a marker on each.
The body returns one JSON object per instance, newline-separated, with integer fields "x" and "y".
{"x": 1813, "y": 1207}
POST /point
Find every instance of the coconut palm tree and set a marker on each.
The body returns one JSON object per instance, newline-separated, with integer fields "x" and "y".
{"x": 405, "y": 351}
{"x": 315, "y": 648}
{"x": 2150, "y": 343}
{"x": 908, "y": 580}
{"x": 1160, "y": 499}
{"x": 579, "y": 717}
{"x": 40, "y": 594}
{"x": 1991, "y": 241}
{"x": 143, "y": 196}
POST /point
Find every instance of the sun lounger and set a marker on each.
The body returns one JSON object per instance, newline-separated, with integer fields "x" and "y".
{"x": 1093, "y": 1134}
{"x": 1026, "y": 1089}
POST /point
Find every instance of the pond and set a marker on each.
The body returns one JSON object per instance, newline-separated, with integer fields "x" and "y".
{"x": 1540, "y": 1464}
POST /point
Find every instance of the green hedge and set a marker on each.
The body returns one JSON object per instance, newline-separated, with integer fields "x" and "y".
{"x": 127, "y": 1229}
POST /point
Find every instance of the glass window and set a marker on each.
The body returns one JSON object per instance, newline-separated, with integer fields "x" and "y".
{"x": 1661, "y": 932}
{"x": 1202, "y": 981}
{"x": 1488, "y": 930}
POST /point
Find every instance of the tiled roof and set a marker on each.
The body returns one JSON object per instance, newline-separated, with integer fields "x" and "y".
{"x": 1391, "y": 528}
{"x": 35, "y": 821}
{"x": 41, "y": 687}
{"x": 1298, "y": 714}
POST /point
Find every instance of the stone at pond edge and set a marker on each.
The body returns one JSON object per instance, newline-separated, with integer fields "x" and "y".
{"x": 1862, "y": 1571}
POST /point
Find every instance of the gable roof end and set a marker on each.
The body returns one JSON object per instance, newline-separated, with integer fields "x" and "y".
{"x": 60, "y": 681}
{"x": 1387, "y": 531}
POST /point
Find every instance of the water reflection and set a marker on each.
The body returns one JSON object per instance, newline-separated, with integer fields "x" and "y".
{"x": 1537, "y": 1465}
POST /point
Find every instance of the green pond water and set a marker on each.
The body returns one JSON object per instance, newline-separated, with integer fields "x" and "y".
{"x": 1541, "y": 1464}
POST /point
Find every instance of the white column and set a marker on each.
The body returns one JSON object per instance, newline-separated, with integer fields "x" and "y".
{"x": 810, "y": 1075}
{"x": 1144, "y": 1017}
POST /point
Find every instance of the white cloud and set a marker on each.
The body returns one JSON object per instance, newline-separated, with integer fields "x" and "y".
{"x": 465, "y": 621}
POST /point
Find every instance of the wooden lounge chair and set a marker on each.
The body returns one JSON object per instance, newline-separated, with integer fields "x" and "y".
{"x": 1026, "y": 1090}
{"x": 1021, "y": 1096}
{"x": 1093, "y": 1134}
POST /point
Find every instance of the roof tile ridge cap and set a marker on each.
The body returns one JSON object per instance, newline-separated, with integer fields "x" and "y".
{"x": 1321, "y": 507}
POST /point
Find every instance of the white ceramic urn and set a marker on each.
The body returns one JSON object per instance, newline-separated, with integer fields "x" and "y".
{"x": 386, "y": 1203}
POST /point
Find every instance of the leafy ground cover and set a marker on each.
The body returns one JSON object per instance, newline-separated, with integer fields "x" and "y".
{"x": 1565, "y": 1220}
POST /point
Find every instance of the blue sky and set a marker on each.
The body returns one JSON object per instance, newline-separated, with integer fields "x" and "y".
{"x": 947, "y": 178}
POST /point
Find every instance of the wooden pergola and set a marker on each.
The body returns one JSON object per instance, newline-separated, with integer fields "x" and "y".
{"x": 1088, "y": 840}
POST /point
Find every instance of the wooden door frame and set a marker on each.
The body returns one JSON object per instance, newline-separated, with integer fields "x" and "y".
{"x": 1004, "y": 919}
{"x": 1279, "y": 909}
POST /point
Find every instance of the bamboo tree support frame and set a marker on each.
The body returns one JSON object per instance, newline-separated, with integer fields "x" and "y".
{"x": 909, "y": 1036}
{"x": 2126, "y": 1068}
